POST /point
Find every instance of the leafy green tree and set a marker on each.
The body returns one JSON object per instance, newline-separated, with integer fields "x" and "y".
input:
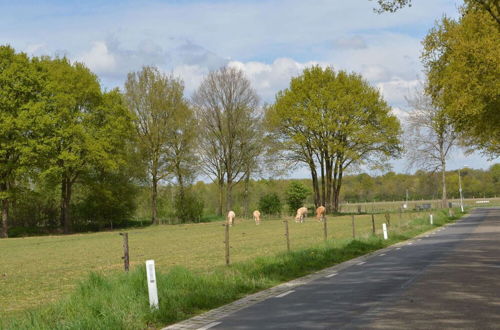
{"x": 20, "y": 86}
{"x": 333, "y": 120}
{"x": 163, "y": 124}
{"x": 226, "y": 106}
{"x": 296, "y": 193}
{"x": 429, "y": 137}
{"x": 81, "y": 128}
{"x": 270, "y": 204}
{"x": 188, "y": 206}
{"x": 462, "y": 60}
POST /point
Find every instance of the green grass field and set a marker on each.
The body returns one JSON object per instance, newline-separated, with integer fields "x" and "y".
{"x": 41, "y": 270}
{"x": 38, "y": 270}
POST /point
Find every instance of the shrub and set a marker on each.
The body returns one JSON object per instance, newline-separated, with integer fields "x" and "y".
{"x": 270, "y": 204}
{"x": 188, "y": 206}
{"x": 295, "y": 195}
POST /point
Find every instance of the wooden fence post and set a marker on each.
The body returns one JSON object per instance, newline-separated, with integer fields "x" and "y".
{"x": 226, "y": 242}
{"x": 388, "y": 218}
{"x": 287, "y": 235}
{"x": 125, "y": 257}
{"x": 353, "y": 227}
{"x": 373, "y": 224}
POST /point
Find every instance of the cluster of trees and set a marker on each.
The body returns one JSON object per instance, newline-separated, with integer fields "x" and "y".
{"x": 74, "y": 156}
{"x": 57, "y": 128}
{"x": 460, "y": 101}
{"x": 287, "y": 195}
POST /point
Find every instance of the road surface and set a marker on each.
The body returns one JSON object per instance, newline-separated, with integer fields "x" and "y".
{"x": 448, "y": 279}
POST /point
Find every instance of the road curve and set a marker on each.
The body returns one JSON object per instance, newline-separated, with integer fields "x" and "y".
{"x": 448, "y": 279}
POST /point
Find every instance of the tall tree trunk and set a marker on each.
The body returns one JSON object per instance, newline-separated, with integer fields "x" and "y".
{"x": 180, "y": 181}
{"x": 315, "y": 183}
{"x": 337, "y": 183}
{"x": 5, "y": 218}
{"x": 323, "y": 183}
{"x": 221, "y": 196}
{"x": 66, "y": 186}
{"x": 5, "y": 213}
{"x": 229, "y": 196}
{"x": 328, "y": 201}
{"x": 245, "y": 195}
{"x": 444, "y": 199}
{"x": 154, "y": 199}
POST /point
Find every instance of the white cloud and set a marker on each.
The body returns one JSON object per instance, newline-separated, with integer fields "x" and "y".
{"x": 36, "y": 49}
{"x": 396, "y": 90}
{"x": 98, "y": 58}
{"x": 192, "y": 75}
{"x": 268, "y": 79}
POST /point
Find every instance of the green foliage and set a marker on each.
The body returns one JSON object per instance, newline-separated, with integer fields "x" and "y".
{"x": 296, "y": 194}
{"x": 188, "y": 206}
{"x": 270, "y": 204}
{"x": 462, "y": 59}
{"x": 20, "y": 87}
{"x": 164, "y": 125}
{"x": 333, "y": 120}
{"x": 108, "y": 200}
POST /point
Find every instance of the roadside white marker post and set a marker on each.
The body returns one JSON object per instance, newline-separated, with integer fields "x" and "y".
{"x": 431, "y": 219}
{"x": 152, "y": 289}
{"x": 384, "y": 228}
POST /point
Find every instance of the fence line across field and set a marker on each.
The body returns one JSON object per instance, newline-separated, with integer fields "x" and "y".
{"x": 292, "y": 235}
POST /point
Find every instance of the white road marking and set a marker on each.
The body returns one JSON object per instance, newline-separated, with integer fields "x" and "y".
{"x": 398, "y": 248}
{"x": 381, "y": 255}
{"x": 210, "y": 325}
{"x": 410, "y": 243}
{"x": 284, "y": 294}
{"x": 361, "y": 263}
{"x": 331, "y": 275}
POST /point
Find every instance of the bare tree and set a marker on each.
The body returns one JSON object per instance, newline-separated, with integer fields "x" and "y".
{"x": 226, "y": 106}
{"x": 161, "y": 113}
{"x": 429, "y": 137}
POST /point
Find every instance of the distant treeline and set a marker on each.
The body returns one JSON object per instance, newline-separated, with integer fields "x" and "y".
{"x": 358, "y": 188}
{"x": 101, "y": 206}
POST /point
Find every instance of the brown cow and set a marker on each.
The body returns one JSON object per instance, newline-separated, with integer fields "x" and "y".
{"x": 256, "y": 217}
{"x": 230, "y": 218}
{"x": 301, "y": 214}
{"x": 321, "y": 213}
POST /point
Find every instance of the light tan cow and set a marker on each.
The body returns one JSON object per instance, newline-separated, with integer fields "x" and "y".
{"x": 301, "y": 214}
{"x": 321, "y": 213}
{"x": 230, "y": 218}
{"x": 256, "y": 217}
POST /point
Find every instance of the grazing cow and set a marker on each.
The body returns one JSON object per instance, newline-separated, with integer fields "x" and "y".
{"x": 301, "y": 214}
{"x": 321, "y": 213}
{"x": 230, "y": 218}
{"x": 256, "y": 217}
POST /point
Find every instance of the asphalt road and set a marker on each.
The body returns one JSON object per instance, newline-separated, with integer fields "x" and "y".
{"x": 447, "y": 280}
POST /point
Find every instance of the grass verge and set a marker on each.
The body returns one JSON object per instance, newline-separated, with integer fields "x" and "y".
{"x": 120, "y": 301}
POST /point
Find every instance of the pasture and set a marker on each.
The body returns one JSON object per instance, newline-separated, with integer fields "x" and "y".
{"x": 35, "y": 271}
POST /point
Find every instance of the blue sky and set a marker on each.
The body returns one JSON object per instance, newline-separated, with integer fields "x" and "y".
{"x": 271, "y": 40}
